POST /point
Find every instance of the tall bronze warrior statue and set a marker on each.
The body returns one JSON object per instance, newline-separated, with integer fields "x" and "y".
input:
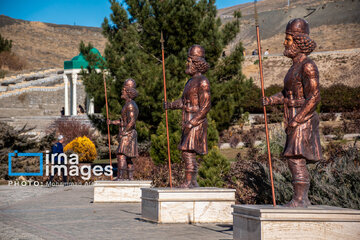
{"x": 300, "y": 97}
{"x": 128, "y": 147}
{"x": 195, "y": 104}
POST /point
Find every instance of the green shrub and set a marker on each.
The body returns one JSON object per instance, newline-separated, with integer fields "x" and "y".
{"x": 143, "y": 131}
{"x": 213, "y": 169}
{"x": 158, "y": 149}
{"x": 337, "y": 183}
{"x": 339, "y": 98}
{"x": 336, "y": 98}
{"x": 277, "y": 137}
{"x": 334, "y": 183}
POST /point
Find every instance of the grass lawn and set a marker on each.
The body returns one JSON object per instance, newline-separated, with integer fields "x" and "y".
{"x": 228, "y": 153}
{"x": 104, "y": 161}
{"x": 232, "y": 152}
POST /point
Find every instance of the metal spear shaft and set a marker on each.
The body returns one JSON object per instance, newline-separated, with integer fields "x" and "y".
{"x": 166, "y": 113}
{"x": 263, "y": 95}
{"x": 107, "y": 119}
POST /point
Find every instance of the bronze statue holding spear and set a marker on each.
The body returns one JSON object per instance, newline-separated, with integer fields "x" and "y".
{"x": 300, "y": 97}
{"x": 195, "y": 104}
{"x": 128, "y": 147}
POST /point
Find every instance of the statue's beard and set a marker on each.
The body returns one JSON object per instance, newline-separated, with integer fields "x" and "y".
{"x": 291, "y": 51}
{"x": 190, "y": 69}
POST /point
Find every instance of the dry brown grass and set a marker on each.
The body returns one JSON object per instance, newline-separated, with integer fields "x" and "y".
{"x": 10, "y": 61}
{"x": 327, "y": 38}
{"x": 44, "y": 45}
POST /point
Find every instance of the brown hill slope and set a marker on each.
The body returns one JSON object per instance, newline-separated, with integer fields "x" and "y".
{"x": 46, "y": 45}
{"x": 335, "y": 24}
{"x": 335, "y": 67}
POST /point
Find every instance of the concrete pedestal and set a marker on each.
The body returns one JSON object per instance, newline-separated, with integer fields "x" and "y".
{"x": 196, "y": 205}
{"x": 119, "y": 191}
{"x": 264, "y": 222}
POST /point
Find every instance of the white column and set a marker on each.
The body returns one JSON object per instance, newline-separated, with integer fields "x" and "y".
{"x": 74, "y": 104}
{"x": 66, "y": 81}
{"x": 90, "y": 105}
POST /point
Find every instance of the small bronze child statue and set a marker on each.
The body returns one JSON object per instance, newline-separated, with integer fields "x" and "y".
{"x": 128, "y": 147}
{"x": 195, "y": 104}
{"x": 300, "y": 97}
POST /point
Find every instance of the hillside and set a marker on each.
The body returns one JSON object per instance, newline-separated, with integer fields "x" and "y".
{"x": 46, "y": 45}
{"x": 330, "y": 21}
{"x": 335, "y": 67}
{"x": 335, "y": 25}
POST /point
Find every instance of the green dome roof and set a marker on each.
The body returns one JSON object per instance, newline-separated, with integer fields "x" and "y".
{"x": 79, "y": 61}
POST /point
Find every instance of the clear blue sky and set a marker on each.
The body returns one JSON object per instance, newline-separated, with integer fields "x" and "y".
{"x": 79, "y": 12}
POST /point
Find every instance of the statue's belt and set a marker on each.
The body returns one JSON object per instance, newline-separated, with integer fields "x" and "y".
{"x": 191, "y": 109}
{"x": 289, "y": 107}
{"x": 294, "y": 102}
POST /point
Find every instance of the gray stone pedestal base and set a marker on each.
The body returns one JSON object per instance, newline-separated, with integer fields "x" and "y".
{"x": 264, "y": 222}
{"x": 119, "y": 191}
{"x": 196, "y": 205}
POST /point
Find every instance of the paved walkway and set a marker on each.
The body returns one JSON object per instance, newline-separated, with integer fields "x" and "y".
{"x": 68, "y": 213}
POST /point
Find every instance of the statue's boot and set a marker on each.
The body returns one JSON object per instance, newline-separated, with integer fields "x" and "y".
{"x": 117, "y": 174}
{"x": 300, "y": 196}
{"x": 121, "y": 168}
{"x": 188, "y": 179}
{"x": 121, "y": 175}
{"x": 301, "y": 183}
{"x": 194, "y": 173}
{"x": 190, "y": 170}
{"x": 131, "y": 172}
{"x": 194, "y": 182}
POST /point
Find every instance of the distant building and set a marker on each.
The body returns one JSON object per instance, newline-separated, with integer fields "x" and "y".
{"x": 71, "y": 70}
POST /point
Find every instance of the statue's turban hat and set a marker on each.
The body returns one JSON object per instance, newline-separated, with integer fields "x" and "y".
{"x": 297, "y": 25}
{"x": 130, "y": 83}
{"x": 196, "y": 51}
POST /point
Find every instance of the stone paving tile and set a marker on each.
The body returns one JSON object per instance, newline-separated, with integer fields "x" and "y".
{"x": 68, "y": 213}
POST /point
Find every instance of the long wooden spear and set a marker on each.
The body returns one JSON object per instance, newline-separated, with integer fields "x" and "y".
{"x": 107, "y": 122}
{"x": 263, "y": 95}
{"x": 166, "y": 113}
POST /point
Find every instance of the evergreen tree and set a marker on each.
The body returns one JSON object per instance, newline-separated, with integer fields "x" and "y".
{"x": 5, "y": 44}
{"x": 133, "y": 50}
{"x": 213, "y": 169}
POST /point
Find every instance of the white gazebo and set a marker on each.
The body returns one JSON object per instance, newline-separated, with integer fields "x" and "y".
{"x": 71, "y": 70}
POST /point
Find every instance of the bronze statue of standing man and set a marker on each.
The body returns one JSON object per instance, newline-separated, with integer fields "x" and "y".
{"x": 128, "y": 147}
{"x": 300, "y": 97}
{"x": 195, "y": 104}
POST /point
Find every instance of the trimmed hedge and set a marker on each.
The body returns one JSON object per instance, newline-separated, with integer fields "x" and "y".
{"x": 336, "y": 98}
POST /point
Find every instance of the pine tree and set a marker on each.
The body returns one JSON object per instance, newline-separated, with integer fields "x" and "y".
{"x": 5, "y": 44}
{"x": 133, "y": 50}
